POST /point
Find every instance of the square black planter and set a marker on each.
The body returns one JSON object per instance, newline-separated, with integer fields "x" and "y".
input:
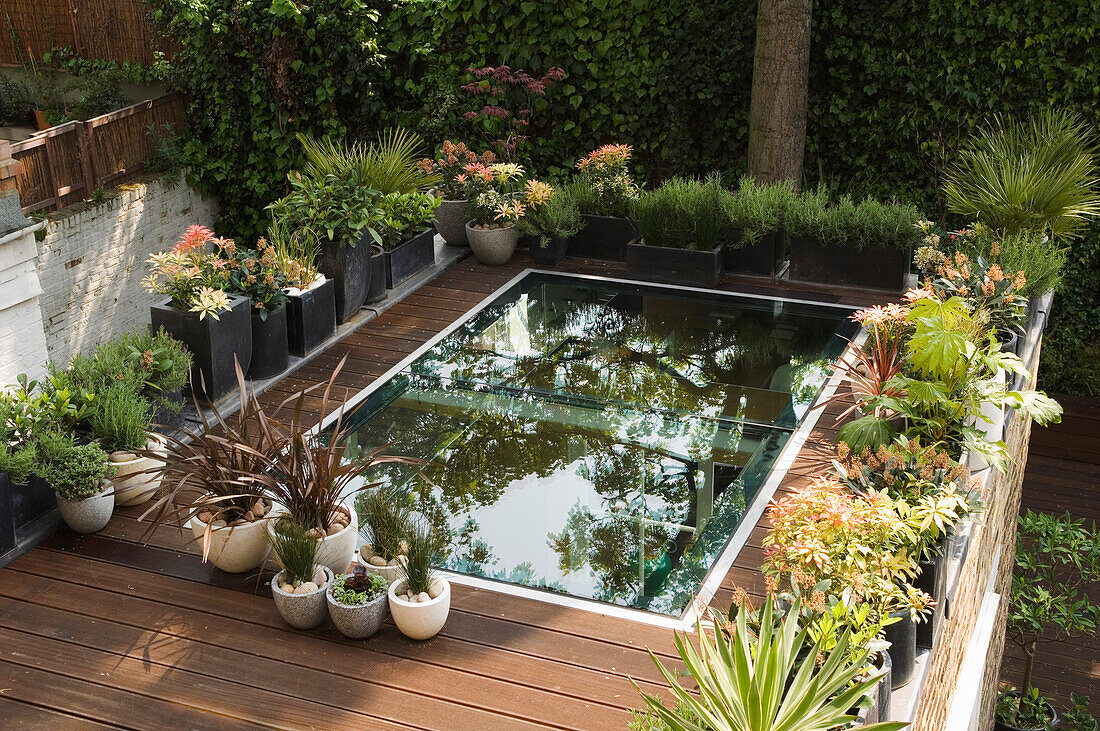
{"x": 310, "y": 318}
{"x": 270, "y": 344}
{"x": 674, "y": 266}
{"x": 872, "y": 266}
{"x": 603, "y": 237}
{"x": 551, "y": 254}
{"x": 379, "y": 276}
{"x": 28, "y": 515}
{"x": 763, "y": 257}
{"x": 408, "y": 258}
{"x": 349, "y": 269}
{"x": 213, "y": 344}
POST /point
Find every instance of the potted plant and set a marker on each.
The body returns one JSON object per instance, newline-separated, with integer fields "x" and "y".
{"x": 420, "y": 600}
{"x": 604, "y": 193}
{"x": 450, "y": 167}
{"x": 357, "y": 603}
{"x": 408, "y": 238}
{"x": 337, "y": 213}
{"x": 78, "y": 475}
{"x": 755, "y": 241}
{"x": 494, "y": 212}
{"x": 119, "y": 420}
{"x": 215, "y": 326}
{"x": 386, "y": 513}
{"x": 551, "y": 220}
{"x": 994, "y": 293}
{"x": 311, "y": 297}
{"x": 680, "y": 223}
{"x": 1057, "y": 572}
{"x": 768, "y": 673}
{"x": 299, "y": 589}
{"x": 256, "y": 275}
{"x": 866, "y": 244}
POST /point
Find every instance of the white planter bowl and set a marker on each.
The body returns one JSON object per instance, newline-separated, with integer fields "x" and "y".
{"x": 493, "y": 246}
{"x": 134, "y": 484}
{"x": 338, "y": 550}
{"x": 420, "y": 620}
{"x": 89, "y": 515}
{"x": 303, "y": 611}
{"x": 236, "y": 549}
{"x": 389, "y": 573}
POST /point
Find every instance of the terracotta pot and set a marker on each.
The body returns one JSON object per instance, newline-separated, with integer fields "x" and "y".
{"x": 493, "y": 246}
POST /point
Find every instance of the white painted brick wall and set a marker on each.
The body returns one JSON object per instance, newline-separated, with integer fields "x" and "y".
{"x": 92, "y": 261}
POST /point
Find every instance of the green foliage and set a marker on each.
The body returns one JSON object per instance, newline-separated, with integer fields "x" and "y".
{"x": 423, "y": 545}
{"x": 258, "y": 72}
{"x": 1077, "y": 717}
{"x": 758, "y": 210}
{"x": 74, "y": 471}
{"x": 153, "y": 365}
{"x": 387, "y": 165}
{"x": 358, "y": 588}
{"x": 1023, "y": 710}
{"x": 683, "y": 214}
{"x": 1042, "y": 259}
{"x": 559, "y": 217}
{"x": 386, "y": 512}
{"x": 119, "y": 418}
{"x": 857, "y": 225}
{"x": 336, "y": 208}
{"x": 296, "y": 550}
{"x": 171, "y": 154}
{"x": 404, "y": 215}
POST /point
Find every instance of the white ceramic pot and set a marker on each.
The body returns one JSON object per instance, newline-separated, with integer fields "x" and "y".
{"x": 303, "y": 611}
{"x": 420, "y": 620}
{"x": 389, "y": 573}
{"x": 493, "y": 246}
{"x": 89, "y": 515}
{"x": 236, "y": 549}
{"x": 134, "y": 480}
{"x": 338, "y": 550}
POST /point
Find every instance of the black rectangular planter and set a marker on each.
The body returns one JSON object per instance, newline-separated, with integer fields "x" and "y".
{"x": 762, "y": 258}
{"x": 674, "y": 266}
{"x": 311, "y": 318}
{"x": 872, "y": 266}
{"x": 270, "y": 343}
{"x": 552, "y": 253}
{"x": 213, "y": 344}
{"x": 349, "y": 269}
{"x": 28, "y": 515}
{"x": 408, "y": 258}
{"x": 603, "y": 237}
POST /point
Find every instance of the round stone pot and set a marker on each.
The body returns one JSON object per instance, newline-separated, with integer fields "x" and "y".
{"x": 389, "y": 573}
{"x": 420, "y": 620}
{"x": 450, "y": 221}
{"x": 493, "y": 246}
{"x": 338, "y": 550}
{"x": 90, "y": 514}
{"x": 236, "y": 549}
{"x": 135, "y": 477}
{"x": 359, "y": 620}
{"x": 302, "y": 611}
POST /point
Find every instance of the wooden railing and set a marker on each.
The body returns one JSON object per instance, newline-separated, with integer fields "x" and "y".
{"x": 66, "y": 163}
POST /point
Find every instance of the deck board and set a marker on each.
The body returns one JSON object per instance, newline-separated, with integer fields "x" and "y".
{"x": 173, "y": 630}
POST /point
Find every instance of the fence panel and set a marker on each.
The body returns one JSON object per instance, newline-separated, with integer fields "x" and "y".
{"x": 112, "y": 30}
{"x": 119, "y": 142}
{"x": 53, "y": 167}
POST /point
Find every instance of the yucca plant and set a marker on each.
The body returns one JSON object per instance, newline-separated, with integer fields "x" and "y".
{"x": 1036, "y": 174}
{"x": 749, "y": 683}
{"x": 387, "y": 165}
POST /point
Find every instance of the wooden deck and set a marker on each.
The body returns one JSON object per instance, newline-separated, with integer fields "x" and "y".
{"x": 1063, "y": 474}
{"x": 101, "y": 630}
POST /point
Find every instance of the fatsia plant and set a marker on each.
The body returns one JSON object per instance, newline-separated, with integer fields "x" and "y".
{"x": 751, "y": 683}
{"x": 1035, "y": 174}
{"x": 387, "y": 165}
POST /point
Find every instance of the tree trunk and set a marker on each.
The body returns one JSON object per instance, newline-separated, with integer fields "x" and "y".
{"x": 780, "y": 77}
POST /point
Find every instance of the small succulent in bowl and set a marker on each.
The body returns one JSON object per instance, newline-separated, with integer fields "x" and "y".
{"x": 357, "y": 603}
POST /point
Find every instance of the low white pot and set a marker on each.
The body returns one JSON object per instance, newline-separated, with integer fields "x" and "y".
{"x": 89, "y": 515}
{"x": 239, "y": 548}
{"x": 389, "y": 573}
{"x": 135, "y": 479}
{"x": 303, "y": 611}
{"x": 420, "y": 620}
{"x": 493, "y": 246}
{"x": 338, "y": 550}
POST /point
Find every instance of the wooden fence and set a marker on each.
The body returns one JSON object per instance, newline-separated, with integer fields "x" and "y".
{"x": 112, "y": 30}
{"x": 66, "y": 163}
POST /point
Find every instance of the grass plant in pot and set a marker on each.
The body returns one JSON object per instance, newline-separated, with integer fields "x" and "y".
{"x": 420, "y": 599}
{"x": 299, "y": 589}
{"x": 755, "y": 241}
{"x": 408, "y": 238}
{"x": 604, "y": 193}
{"x": 311, "y": 297}
{"x": 551, "y": 220}
{"x": 256, "y": 275}
{"x": 78, "y": 473}
{"x": 119, "y": 421}
{"x": 497, "y": 204}
{"x": 215, "y": 326}
{"x": 1054, "y": 584}
{"x": 386, "y": 514}
{"x": 680, "y": 225}
{"x": 450, "y": 167}
{"x": 357, "y": 603}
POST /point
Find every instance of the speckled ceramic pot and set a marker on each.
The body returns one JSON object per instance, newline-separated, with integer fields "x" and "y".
{"x": 302, "y": 611}
{"x": 389, "y": 573}
{"x": 90, "y": 514}
{"x": 493, "y": 246}
{"x": 359, "y": 620}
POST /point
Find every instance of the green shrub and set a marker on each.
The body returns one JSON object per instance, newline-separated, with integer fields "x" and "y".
{"x": 404, "y": 215}
{"x": 855, "y": 225}
{"x": 119, "y": 418}
{"x": 335, "y": 208}
{"x": 559, "y": 217}
{"x": 74, "y": 471}
{"x": 758, "y": 210}
{"x": 805, "y": 217}
{"x": 152, "y": 365}
{"x": 683, "y": 214}
{"x": 1041, "y": 258}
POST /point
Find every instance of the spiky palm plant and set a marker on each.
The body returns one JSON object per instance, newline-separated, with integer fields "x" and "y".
{"x": 1036, "y": 174}
{"x": 387, "y": 165}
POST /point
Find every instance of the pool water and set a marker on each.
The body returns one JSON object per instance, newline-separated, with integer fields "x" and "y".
{"x": 596, "y": 437}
